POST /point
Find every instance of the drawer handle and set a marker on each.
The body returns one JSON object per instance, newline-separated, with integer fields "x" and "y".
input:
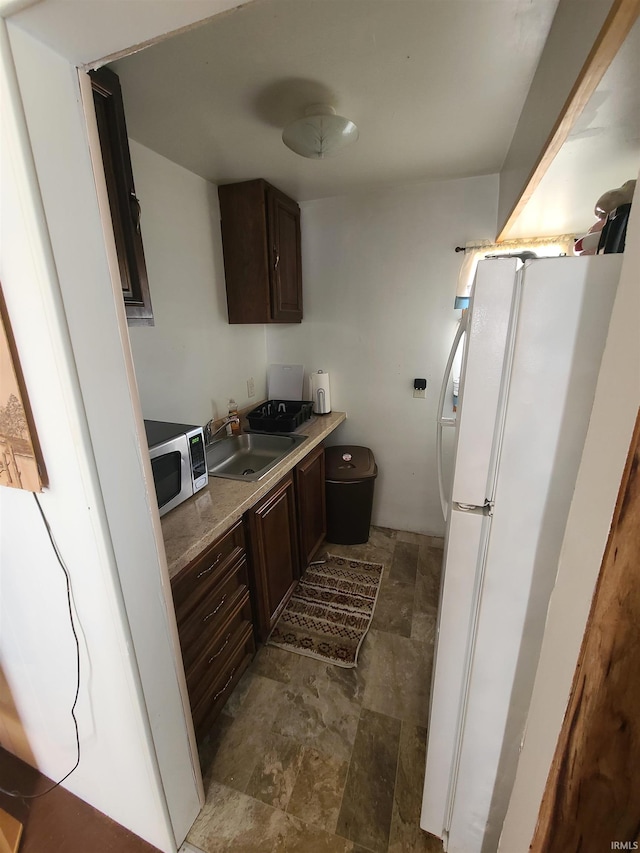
{"x": 213, "y": 612}
{"x": 228, "y": 682}
{"x": 221, "y": 649}
{"x": 211, "y": 567}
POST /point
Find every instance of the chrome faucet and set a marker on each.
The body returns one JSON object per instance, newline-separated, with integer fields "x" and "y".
{"x": 209, "y": 435}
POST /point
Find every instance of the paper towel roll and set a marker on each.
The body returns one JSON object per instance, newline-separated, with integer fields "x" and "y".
{"x": 320, "y": 393}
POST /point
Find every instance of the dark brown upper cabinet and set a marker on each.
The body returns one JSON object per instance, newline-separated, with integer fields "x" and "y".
{"x": 262, "y": 260}
{"x": 123, "y": 202}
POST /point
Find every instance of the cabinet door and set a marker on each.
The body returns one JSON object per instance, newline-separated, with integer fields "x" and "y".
{"x": 274, "y": 553}
{"x": 312, "y": 516}
{"x": 123, "y": 202}
{"x": 286, "y": 262}
{"x": 243, "y": 222}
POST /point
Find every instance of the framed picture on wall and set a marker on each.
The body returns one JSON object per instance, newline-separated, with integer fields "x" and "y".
{"x": 20, "y": 458}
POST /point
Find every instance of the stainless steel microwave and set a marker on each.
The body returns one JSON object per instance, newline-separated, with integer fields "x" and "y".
{"x": 178, "y": 461}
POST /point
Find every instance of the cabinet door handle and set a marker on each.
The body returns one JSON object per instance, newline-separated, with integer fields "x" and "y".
{"x": 221, "y": 649}
{"x": 228, "y": 682}
{"x": 213, "y": 612}
{"x": 211, "y": 567}
{"x": 277, "y": 258}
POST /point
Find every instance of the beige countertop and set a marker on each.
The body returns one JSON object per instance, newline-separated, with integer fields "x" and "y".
{"x": 191, "y": 527}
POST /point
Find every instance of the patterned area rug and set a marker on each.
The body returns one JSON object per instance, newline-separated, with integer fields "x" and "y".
{"x": 330, "y": 611}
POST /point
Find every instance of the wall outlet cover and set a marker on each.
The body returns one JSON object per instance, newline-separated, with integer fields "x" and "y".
{"x": 251, "y": 387}
{"x": 420, "y": 392}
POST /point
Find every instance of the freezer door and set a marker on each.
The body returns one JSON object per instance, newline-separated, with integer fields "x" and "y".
{"x": 563, "y": 322}
{"x": 467, "y": 535}
{"x": 485, "y": 371}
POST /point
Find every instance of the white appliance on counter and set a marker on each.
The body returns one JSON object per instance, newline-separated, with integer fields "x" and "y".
{"x": 320, "y": 392}
{"x": 535, "y": 335}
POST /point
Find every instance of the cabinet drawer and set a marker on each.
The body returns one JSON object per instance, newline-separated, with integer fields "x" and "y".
{"x": 212, "y": 702}
{"x": 222, "y": 646}
{"x": 212, "y": 612}
{"x": 198, "y": 578}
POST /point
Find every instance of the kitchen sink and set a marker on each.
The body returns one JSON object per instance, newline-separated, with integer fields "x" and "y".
{"x": 249, "y": 456}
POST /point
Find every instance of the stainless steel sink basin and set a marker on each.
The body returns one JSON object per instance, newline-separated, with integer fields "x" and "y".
{"x": 249, "y": 456}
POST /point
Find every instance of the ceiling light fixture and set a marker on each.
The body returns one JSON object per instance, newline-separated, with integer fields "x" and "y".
{"x": 321, "y": 133}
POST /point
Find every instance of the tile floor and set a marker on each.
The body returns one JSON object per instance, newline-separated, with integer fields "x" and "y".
{"x": 309, "y": 757}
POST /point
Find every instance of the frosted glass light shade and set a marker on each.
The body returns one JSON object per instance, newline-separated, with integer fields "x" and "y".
{"x": 321, "y": 133}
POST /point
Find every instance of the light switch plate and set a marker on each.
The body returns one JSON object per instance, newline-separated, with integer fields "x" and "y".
{"x": 251, "y": 387}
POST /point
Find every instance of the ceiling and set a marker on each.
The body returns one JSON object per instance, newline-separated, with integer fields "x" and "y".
{"x": 435, "y": 86}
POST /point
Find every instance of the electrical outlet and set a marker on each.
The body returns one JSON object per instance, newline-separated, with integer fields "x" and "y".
{"x": 251, "y": 388}
{"x": 420, "y": 392}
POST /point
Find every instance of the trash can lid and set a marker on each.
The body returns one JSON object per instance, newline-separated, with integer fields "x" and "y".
{"x": 349, "y": 462}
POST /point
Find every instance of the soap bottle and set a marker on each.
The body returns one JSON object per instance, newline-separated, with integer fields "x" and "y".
{"x": 234, "y": 427}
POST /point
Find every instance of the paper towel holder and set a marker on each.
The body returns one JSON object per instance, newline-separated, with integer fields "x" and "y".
{"x": 320, "y": 393}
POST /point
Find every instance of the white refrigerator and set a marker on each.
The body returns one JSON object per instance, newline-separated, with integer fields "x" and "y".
{"x": 535, "y": 335}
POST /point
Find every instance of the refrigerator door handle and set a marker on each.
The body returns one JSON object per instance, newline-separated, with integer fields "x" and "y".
{"x": 442, "y": 421}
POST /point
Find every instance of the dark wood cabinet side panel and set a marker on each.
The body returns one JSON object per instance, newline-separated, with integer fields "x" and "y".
{"x": 243, "y": 218}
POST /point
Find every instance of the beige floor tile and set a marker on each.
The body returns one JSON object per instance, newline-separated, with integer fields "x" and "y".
{"x": 399, "y": 677}
{"x": 276, "y": 771}
{"x": 274, "y": 663}
{"x": 406, "y": 835}
{"x": 322, "y": 711}
{"x": 233, "y": 822}
{"x": 240, "y": 735}
{"x": 412, "y": 538}
{"x": 394, "y": 607}
{"x": 367, "y": 802}
{"x": 423, "y": 626}
{"x": 317, "y": 794}
{"x": 249, "y": 694}
{"x": 404, "y": 565}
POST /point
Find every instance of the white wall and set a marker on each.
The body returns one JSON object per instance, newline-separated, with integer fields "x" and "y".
{"x": 191, "y": 361}
{"x": 118, "y": 771}
{"x": 615, "y": 408}
{"x": 136, "y": 739}
{"x": 379, "y": 279}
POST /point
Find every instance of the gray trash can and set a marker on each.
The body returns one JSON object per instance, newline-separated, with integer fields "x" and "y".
{"x": 350, "y": 473}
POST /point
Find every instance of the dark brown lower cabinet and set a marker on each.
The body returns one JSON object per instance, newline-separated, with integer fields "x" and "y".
{"x": 230, "y": 595}
{"x": 312, "y": 514}
{"x": 215, "y": 625}
{"x": 275, "y": 564}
